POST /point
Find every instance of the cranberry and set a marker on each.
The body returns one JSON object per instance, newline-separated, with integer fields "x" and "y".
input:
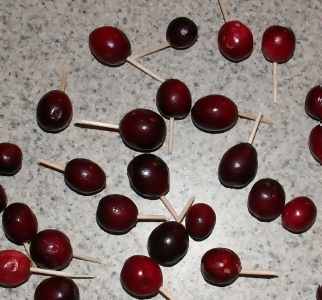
{"x": 214, "y": 113}
{"x": 220, "y": 266}
{"x": 278, "y": 44}
{"x": 149, "y": 176}
{"x": 54, "y": 111}
{"x": 315, "y": 143}
{"x": 200, "y": 221}
{"x": 266, "y": 199}
{"x": 141, "y": 276}
{"x": 313, "y": 103}
{"x": 319, "y": 293}
{"x": 238, "y": 166}
{"x": 182, "y": 33}
{"x": 109, "y": 45}
{"x": 84, "y": 176}
{"x": 10, "y": 159}
{"x": 57, "y": 288}
{"x": 173, "y": 99}
{"x": 143, "y": 130}
{"x": 3, "y": 198}
{"x": 19, "y": 223}
{"x": 299, "y": 215}
{"x": 235, "y": 41}
{"x": 51, "y": 249}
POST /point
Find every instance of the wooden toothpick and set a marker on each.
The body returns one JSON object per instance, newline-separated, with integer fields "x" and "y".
{"x": 251, "y": 116}
{"x": 259, "y": 274}
{"x": 103, "y": 125}
{"x": 87, "y": 258}
{"x": 159, "y": 48}
{"x": 171, "y": 135}
{"x": 58, "y": 273}
{"x": 165, "y": 293}
{"x": 150, "y": 217}
{"x": 223, "y": 10}
{"x": 185, "y": 209}
{"x": 252, "y": 135}
{"x": 169, "y": 207}
{"x": 53, "y": 166}
{"x": 275, "y": 82}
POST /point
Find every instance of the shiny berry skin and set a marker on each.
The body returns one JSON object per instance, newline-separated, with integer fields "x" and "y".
{"x": 19, "y": 223}
{"x": 266, "y": 200}
{"x": 182, "y": 33}
{"x": 3, "y": 199}
{"x": 299, "y": 215}
{"x": 149, "y": 176}
{"x": 173, "y": 99}
{"x": 10, "y": 159}
{"x": 141, "y": 277}
{"x": 109, "y": 45}
{"x": 319, "y": 293}
{"x": 168, "y": 243}
{"x": 214, "y": 113}
{"x": 235, "y": 41}
{"x": 84, "y": 176}
{"x": 14, "y": 268}
{"x": 51, "y": 249}
{"x": 278, "y": 44}
{"x": 116, "y": 214}
{"x": 315, "y": 143}
{"x": 313, "y": 103}
{"x": 143, "y": 130}
{"x": 54, "y": 111}
{"x": 57, "y": 288}
{"x": 220, "y": 266}
{"x": 200, "y": 221}
{"x": 238, "y": 166}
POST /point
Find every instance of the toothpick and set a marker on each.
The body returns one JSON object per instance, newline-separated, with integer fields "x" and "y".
{"x": 169, "y": 207}
{"x": 166, "y": 294}
{"x": 171, "y": 135}
{"x": 139, "y": 66}
{"x": 252, "y": 135}
{"x": 223, "y": 10}
{"x": 151, "y": 51}
{"x": 275, "y": 82}
{"x": 87, "y": 258}
{"x": 251, "y": 116}
{"x": 54, "y": 166}
{"x": 58, "y": 273}
{"x": 185, "y": 209}
{"x": 97, "y": 124}
{"x": 151, "y": 217}
{"x": 262, "y": 274}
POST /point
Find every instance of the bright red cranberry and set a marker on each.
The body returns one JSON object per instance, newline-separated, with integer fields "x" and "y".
{"x": 10, "y": 159}
{"x": 319, "y": 293}
{"x": 109, "y": 45}
{"x": 200, "y": 221}
{"x": 238, "y": 166}
{"x": 84, "y": 176}
{"x": 182, "y": 33}
{"x": 220, "y": 266}
{"x": 315, "y": 143}
{"x": 54, "y": 111}
{"x": 14, "y": 268}
{"x": 168, "y": 243}
{"x": 143, "y": 130}
{"x": 3, "y": 198}
{"x": 299, "y": 215}
{"x": 278, "y": 44}
{"x": 313, "y": 103}
{"x": 235, "y": 41}
{"x": 266, "y": 200}
{"x": 57, "y": 288}
{"x": 149, "y": 176}
{"x": 214, "y": 113}
{"x": 141, "y": 276}
{"x": 116, "y": 214}
{"x": 19, "y": 223}
{"x": 51, "y": 249}
{"x": 173, "y": 99}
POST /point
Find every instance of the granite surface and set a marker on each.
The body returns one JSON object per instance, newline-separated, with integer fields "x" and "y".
{"x": 38, "y": 37}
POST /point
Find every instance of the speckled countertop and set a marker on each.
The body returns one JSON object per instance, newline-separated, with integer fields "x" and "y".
{"x": 38, "y": 37}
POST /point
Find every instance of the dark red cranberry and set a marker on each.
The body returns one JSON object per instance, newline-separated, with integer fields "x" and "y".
{"x": 84, "y": 176}
{"x": 220, "y": 266}
{"x": 182, "y": 33}
{"x": 278, "y": 44}
{"x": 214, "y": 113}
{"x": 200, "y": 221}
{"x": 3, "y": 198}
{"x": 19, "y": 223}
{"x": 143, "y": 130}
{"x": 238, "y": 166}
{"x": 235, "y": 41}
{"x": 109, "y": 45}
{"x": 313, "y": 103}
{"x": 57, "y": 288}
{"x": 319, "y": 293}
{"x": 168, "y": 243}
{"x": 116, "y": 214}
{"x": 14, "y": 268}
{"x": 173, "y": 99}
{"x": 315, "y": 143}
{"x": 299, "y": 215}
{"x": 141, "y": 276}
{"x": 149, "y": 176}
{"x": 10, "y": 159}
{"x": 54, "y": 111}
{"x": 266, "y": 199}
{"x": 51, "y": 249}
